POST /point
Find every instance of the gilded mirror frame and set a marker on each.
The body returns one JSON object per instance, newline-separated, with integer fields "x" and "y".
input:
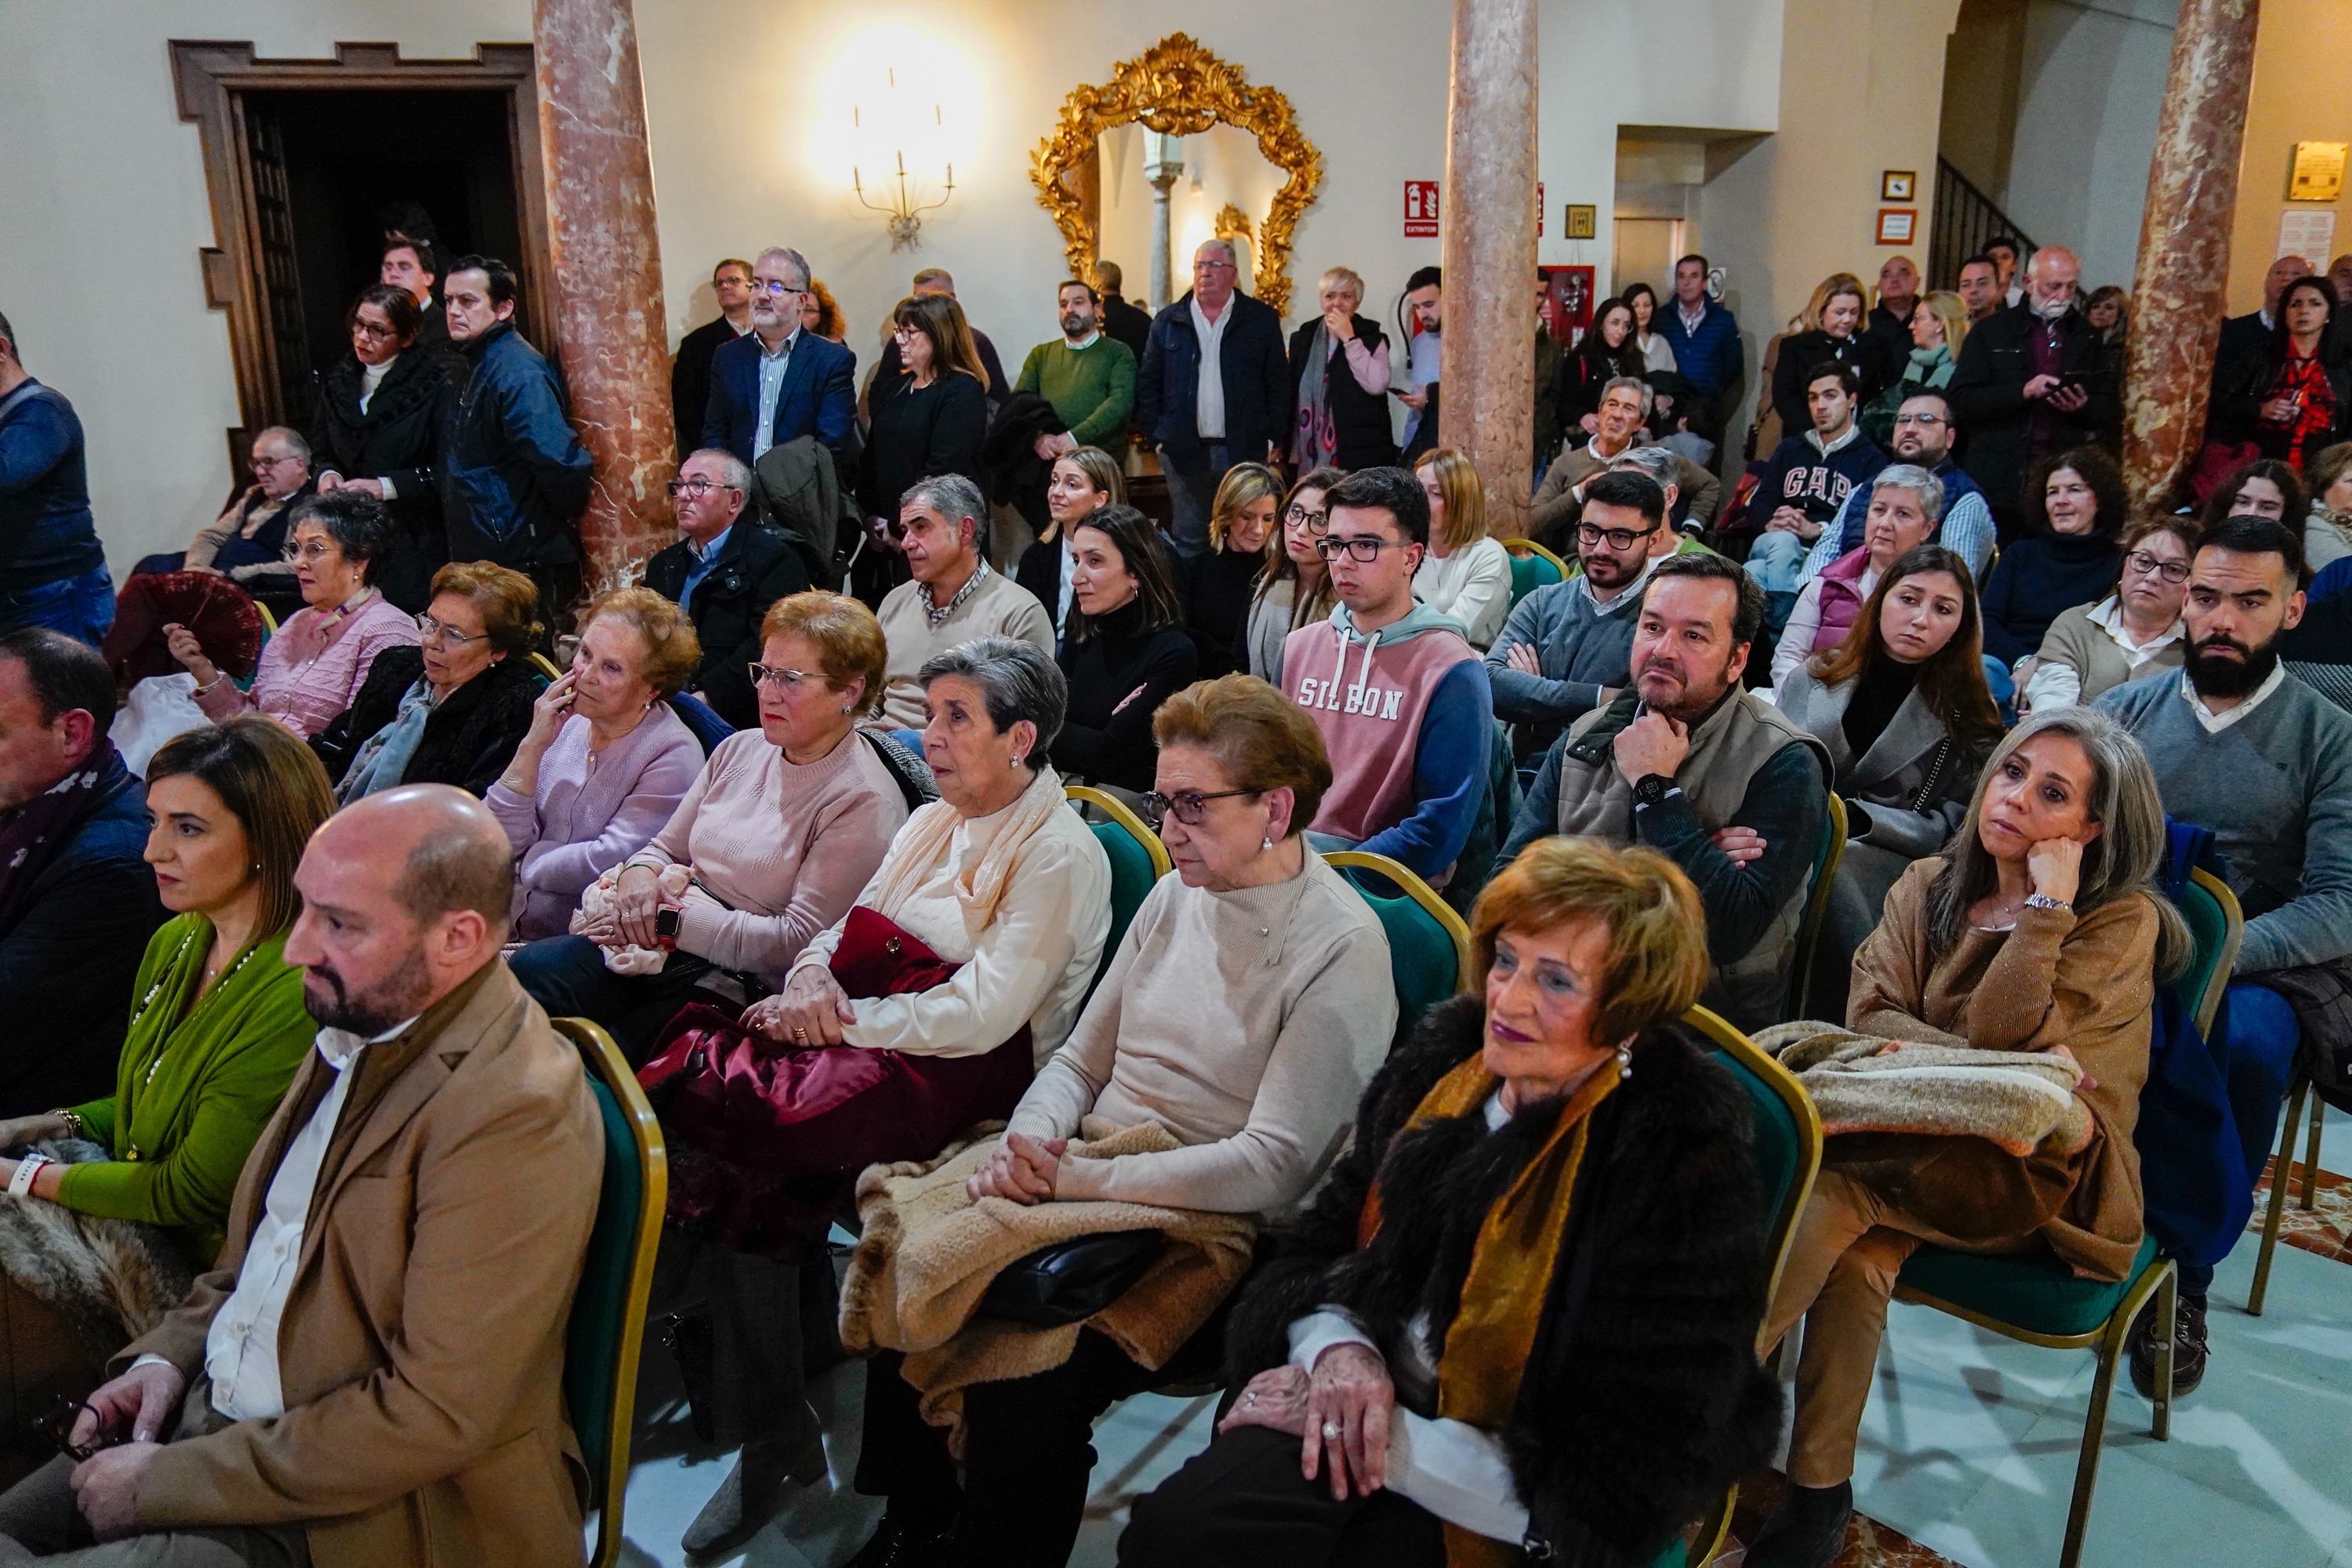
{"x": 1180, "y": 89}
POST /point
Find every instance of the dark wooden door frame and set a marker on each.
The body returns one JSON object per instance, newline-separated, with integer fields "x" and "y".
{"x": 209, "y": 77}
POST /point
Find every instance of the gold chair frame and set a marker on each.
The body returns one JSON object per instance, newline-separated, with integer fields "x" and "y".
{"x": 1111, "y": 806}
{"x": 1816, "y": 910}
{"x": 545, "y": 666}
{"x": 1422, "y": 893}
{"x": 1529, "y": 547}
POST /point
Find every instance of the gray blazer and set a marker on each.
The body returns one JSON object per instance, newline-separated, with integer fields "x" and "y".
{"x": 1915, "y": 786}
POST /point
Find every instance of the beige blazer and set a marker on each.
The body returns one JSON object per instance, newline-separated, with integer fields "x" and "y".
{"x": 422, "y": 1346}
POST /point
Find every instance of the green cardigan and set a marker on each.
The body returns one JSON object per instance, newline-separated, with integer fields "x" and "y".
{"x": 194, "y": 1087}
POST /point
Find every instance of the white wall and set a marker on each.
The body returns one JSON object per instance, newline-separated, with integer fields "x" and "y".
{"x": 2090, "y": 89}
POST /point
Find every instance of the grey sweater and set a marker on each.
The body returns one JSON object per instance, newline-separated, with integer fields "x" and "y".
{"x": 2276, "y": 789}
{"x": 1582, "y": 646}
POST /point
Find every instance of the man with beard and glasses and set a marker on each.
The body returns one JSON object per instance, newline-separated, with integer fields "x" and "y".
{"x": 776, "y": 382}
{"x": 1705, "y": 772}
{"x": 2242, "y": 747}
{"x": 372, "y": 1372}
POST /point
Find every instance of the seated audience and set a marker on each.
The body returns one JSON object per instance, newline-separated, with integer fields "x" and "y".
{"x": 2016, "y": 412}
{"x": 77, "y": 901}
{"x": 1088, "y": 374}
{"x": 1807, "y": 479}
{"x": 928, "y": 419}
{"x": 247, "y": 544}
{"x": 954, "y": 597}
{"x": 1084, "y": 480}
{"x": 1370, "y": 1433}
{"x": 2137, "y": 630}
{"x": 1828, "y": 334}
{"x": 1931, "y": 349}
{"x": 52, "y": 563}
{"x": 1922, "y": 437}
{"x": 323, "y": 655}
{"x": 724, "y": 577}
{"x": 1563, "y": 651}
{"x": 780, "y": 830}
{"x": 1465, "y": 576}
{"x": 452, "y": 709}
{"x": 403, "y": 1401}
{"x": 1339, "y": 376}
{"x": 1901, "y": 708}
{"x": 2265, "y": 763}
{"x": 2041, "y": 933}
{"x": 1905, "y": 501}
{"x": 1217, "y": 582}
{"x": 1609, "y": 350}
{"x": 814, "y": 397}
{"x": 1668, "y": 469}
{"x": 1400, "y": 698}
{"x": 2077, "y": 512}
{"x": 1127, "y": 652}
{"x": 1625, "y": 403}
{"x": 1685, "y": 758}
{"x": 604, "y": 763}
{"x": 2293, "y": 396}
{"x": 2262, "y": 488}
{"x": 2327, "y": 533}
{"x": 216, "y": 1031}
{"x": 2317, "y": 649}
{"x": 1294, "y": 587}
{"x": 1252, "y": 1066}
{"x": 377, "y": 432}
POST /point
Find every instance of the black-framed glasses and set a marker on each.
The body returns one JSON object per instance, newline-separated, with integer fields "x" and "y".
{"x": 1362, "y": 547}
{"x": 776, "y": 676}
{"x": 372, "y": 332}
{"x": 697, "y": 487}
{"x": 1312, "y": 521}
{"x": 427, "y": 628}
{"x": 2147, "y": 564}
{"x": 1618, "y": 538}
{"x": 768, "y": 286}
{"x": 56, "y": 1427}
{"x": 1187, "y": 807}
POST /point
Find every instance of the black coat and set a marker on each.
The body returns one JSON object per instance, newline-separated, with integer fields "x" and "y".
{"x": 1802, "y": 354}
{"x": 1097, "y": 743}
{"x": 1217, "y": 587}
{"x": 1039, "y": 570}
{"x": 1256, "y": 377}
{"x": 1359, "y": 418}
{"x": 1642, "y": 1399}
{"x": 1126, "y": 323}
{"x": 1989, "y": 401}
{"x": 470, "y": 738}
{"x": 918, "y": 433}
{"x": 2240, "y": 392}
{"x": 756, "y": 566}
{"x": 1585, "y": 372}
{"x": 434, "y": 341}
{"x": 690, "y": 380}
{"x": 398, "y": 438}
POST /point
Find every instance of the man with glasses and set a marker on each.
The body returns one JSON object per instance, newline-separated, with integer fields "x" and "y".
{"x": 246, "y": 542}
{"x": 689, "y": 370}
{"x": 1563, "y": 651}
{"x": 52, "y": 567}
{"x": 1624, "y": 403}
{"x": 777, "y": 384}
{"x": 955, "y": 595}
{"x": 1213, "y": 390}
{"x": 724, "y": 577}
{"x": 1922, "y": 437}
{"x": 1398, "y": 692}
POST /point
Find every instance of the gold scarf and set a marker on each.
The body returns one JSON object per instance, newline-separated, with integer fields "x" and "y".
{"x": 1493, "y": 1331}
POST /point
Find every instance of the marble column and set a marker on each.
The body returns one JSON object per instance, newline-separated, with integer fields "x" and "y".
{"x": 1163, "y": 166}
{"x": 1487, "y": 365}
{"x": 2177, "y": 299}
{"x": 610, "y": 318}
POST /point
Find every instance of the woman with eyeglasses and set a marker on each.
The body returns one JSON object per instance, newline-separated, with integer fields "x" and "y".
{"x": 1294, "y": 586}
{"x": 1217, "y": 582}
{"x": 928, "y": 419}
{"x": 781, "y": 828}
{"x": 1128, "y": 650}
{"x": 378, "y": 431}
{"x": 451, "y": 709}
{"x": 1246, "y": 1007}
{"x": 323, "y": 655}
{"x": 1085, "y": 479}
{"x": 2135, "y": 631}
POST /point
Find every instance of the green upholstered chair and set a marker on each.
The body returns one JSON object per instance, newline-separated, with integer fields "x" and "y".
{"x": 1428, "y": 947}
{"x": 1817, "y": 909}
{"x": 1532, "y": 567}
{"x": 608, "y": 1312}
{"x": 1138, "y": 859}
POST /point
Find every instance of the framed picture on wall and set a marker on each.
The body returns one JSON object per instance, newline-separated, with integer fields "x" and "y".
{"x": 1896, "y": 225}
{"x": 1583, "y": 221}
{"x": 1896, "y": 184}
{"x": 1568, "y": 302}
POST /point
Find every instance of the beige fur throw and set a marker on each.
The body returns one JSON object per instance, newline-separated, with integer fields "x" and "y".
{"x": 1860, "y": 1083}
{"x": 928, "y": 1253}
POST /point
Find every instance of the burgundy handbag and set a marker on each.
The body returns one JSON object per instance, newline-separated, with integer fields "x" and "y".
{"x": 766, "y": 1139}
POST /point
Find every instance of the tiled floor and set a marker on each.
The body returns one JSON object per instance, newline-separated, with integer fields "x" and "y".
{"x": 1967, "y": 1451}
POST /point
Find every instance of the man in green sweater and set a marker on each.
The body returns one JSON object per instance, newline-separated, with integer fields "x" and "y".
{"x": 1088, "y": 376}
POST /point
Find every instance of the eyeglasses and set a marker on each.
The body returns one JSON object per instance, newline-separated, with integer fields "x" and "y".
{"x": 1312, "y": 521}
{"x": 429, "y": 629}
{"x": 2141, "y": 562}
{"x": 318, "y": 550}
{"x": 1362, "y": 547}
{"x": 372, "y": 332}
{"x": 260, "y": 462}
{"x": 1188, "y": 807}
{"x": 1618, "y": 538}
{"x": 1902, "y": 419}
{"x": 787, "y": 679}
{"x": 768, "y": 286}
{"x": 697, "y": 487}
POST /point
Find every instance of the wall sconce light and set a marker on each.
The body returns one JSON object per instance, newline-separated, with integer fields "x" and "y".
{"x": 902, "y": 190}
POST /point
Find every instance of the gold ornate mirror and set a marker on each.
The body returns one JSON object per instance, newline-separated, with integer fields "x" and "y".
{"x": 1179, "y": 88}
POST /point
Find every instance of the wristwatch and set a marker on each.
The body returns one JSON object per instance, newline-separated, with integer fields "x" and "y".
{"x": 2041, "y": 901}
{"x": 1650, "y": 789}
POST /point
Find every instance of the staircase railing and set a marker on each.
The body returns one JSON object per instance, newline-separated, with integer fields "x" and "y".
{"x": 1965, "y": 217}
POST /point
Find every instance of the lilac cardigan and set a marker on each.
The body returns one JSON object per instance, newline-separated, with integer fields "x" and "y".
{"x": 591, "y": 813}
{"x": 304, "y": 696}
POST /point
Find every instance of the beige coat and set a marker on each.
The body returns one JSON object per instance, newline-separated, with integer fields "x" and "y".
{"x": 422, "y": 1346}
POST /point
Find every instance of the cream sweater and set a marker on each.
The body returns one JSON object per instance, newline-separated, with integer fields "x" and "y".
{"x": 1248, "y": 1024}
{"x": 998, "y": 607}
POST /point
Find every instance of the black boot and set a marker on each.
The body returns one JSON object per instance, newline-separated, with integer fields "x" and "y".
{"x": 903, "y": 1544}
{"x": 1807, "y": 1529}
{"x": 687, "y": 1336}
{"x": 749, "y": 1495}
{"x": 2189, "y": 1351}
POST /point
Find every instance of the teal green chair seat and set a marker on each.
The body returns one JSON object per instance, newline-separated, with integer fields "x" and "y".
{"x": 2032, "y": 1291}
{"x": 1428, "y": 947}
{"x": 1532, "y": 567}
{"x": 1138, "y": 859}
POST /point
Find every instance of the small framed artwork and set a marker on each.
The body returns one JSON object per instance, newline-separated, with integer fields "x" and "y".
{"x": 1582, "y": 222}
{"x": 1896, "y": 184}
{"x": 1895, "y": 225}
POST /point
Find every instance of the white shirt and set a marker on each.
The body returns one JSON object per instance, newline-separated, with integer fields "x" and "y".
{"x": 2214, "y": 723}
{"x": 371, "y": 377}
{"x": 2061, "y": 684}
{"x": 1090, "y": 340}
{"x": 1209, "y": 403}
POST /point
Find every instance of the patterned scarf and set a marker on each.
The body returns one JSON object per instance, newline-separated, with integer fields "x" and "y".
{"x": 1316, "y": 440}
{"x": 385, "y": 756}
{"x": 33, "y": 834}
{"x": 2306, "y": 379}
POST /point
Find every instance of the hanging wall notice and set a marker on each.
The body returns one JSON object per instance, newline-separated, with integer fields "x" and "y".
{"x": 1421, "y": 209}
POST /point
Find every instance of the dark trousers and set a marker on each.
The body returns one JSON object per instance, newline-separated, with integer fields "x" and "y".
{"x": 762, "y": 1311}
{"x": 1242, "y": 1503}
{"x": 1028, "y": 1448}
{"x": 566, "y": 976}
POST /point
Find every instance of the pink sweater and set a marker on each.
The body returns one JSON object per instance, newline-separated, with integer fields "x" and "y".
{"x": 783, "y": 849}
{"x": 315, "y": 665}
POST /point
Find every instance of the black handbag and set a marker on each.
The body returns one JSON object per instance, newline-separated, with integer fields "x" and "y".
{"x": 1070, "y": 1281}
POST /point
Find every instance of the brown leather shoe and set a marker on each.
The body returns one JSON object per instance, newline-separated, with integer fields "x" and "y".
{"x": 2190, "y": 1349}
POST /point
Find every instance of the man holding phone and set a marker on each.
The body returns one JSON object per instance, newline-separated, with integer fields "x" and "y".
{"x": 2031, "y": 382}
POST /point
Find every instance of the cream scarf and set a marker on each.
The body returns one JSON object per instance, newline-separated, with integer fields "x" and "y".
{"x": 926, "y": 840}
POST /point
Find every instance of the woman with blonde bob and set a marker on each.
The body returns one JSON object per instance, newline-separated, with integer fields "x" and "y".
{"x": 1541, "y": 1262}
{"x": 2039, "y": 931}
{"x": 1465, "y": 574}
{"x": 1243, "y": 523}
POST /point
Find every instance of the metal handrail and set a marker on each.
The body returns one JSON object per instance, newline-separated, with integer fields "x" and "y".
{"x": 1965, "y": 217}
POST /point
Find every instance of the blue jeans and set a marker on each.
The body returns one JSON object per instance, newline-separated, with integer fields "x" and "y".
{"x": 82, "y": 607}
{"x": 1191, "y": 494}
{"x": 1775, "y": 560}
{"x": 2262, "y": 1041}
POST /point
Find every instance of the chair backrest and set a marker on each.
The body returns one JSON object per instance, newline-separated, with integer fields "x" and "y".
{"x": 608, "y": 1311}
{"x": 1787, "y": 1132}
{"x": 1826, "y": 856}
{"x": 1429, "y": 946}
{"x": 545, "y": 666}
{"x": 1138, "y": 859}
{"x": 702, "y": 720}
{"x": 1532, "y": 567}
{"x": 269, "y": 621}
{"x": 2219, "y": 924}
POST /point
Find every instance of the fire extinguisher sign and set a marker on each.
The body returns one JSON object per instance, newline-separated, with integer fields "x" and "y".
{"x": 1421, "y": 209}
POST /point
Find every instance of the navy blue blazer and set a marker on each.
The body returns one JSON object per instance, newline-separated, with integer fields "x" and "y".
{"x": 820, "y": 395}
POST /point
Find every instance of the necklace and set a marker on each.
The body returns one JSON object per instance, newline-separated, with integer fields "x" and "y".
{"x": 157, "y": 989}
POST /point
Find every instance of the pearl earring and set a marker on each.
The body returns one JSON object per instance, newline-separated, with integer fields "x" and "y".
{"x": 845, "y": 712}
{"x": 1265, "y": 844}
{"x": 1624, "y": 1062}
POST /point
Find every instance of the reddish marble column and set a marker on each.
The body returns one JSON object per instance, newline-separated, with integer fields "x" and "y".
{"x": 609, "y": 311}
{"x": 1487, "y": 365}
{"x": 2177, "y": 299}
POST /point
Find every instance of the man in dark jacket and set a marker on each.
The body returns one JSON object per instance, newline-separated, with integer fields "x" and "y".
{"x": 1121, "y": 319}
{"x": 77, "y": 900}
{"x": 690, "y": 371}
{"x": 1705, "y": 337}
{"x": 514, "y": 477}
{"x": 777, "y": 382}
{"x": 1205, "y": 424}
{"x": 52, "y": 569}
{"x": 724, "y": 577}
{"x": 1890, "y": 320}
{"x": 2030, "y": 381}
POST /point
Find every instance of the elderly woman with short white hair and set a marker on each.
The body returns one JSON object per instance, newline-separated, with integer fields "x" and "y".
{"x": 1905, "y": 502}
{"x": 1339, "y": 378}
